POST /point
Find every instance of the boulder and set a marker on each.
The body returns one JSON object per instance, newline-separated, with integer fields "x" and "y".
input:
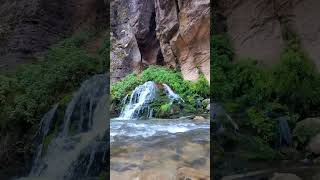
{"x": 306, "y": 129}
{"x": 314, "y": 144}
{"x": 199, "y": 118}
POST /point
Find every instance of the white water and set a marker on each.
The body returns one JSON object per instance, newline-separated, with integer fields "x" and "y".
{"x": 139, "y": 104}
{"x": 172, "y": 96}
{"x": 139, "y": 101}
{"x": 152, "y": 127}
{"x": 141, "y": 98}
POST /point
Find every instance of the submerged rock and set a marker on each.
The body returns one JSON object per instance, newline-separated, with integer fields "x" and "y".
{"x": 192, "y": 174}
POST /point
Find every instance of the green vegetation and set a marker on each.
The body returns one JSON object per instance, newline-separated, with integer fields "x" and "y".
{"x": 291, "y": 88}
{"x": 189, "y": 91}
{"x": 28, "y": 94}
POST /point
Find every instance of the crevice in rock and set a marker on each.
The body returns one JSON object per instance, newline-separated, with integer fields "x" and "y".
{"x": 177, "y": 7}
{"x": 149, "y": 45}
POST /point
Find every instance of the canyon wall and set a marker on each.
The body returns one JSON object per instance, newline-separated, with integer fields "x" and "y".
{"x": 256, "y": 27}
{"x": 29, "y": 27}
{"x": 152, "y": 32}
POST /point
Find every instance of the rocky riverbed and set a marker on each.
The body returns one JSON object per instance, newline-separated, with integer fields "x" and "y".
{"x": 160, "y": 149}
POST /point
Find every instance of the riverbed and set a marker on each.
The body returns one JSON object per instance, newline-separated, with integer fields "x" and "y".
{"x": 159, "y": 149}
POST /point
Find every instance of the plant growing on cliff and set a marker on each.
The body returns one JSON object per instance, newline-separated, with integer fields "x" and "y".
{"x": 39, "y": 85}
{"x": 188, "y": 90}
{"x": 293, "y": 85}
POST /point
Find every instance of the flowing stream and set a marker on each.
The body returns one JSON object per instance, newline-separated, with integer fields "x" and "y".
{"x": 136, "y": 134}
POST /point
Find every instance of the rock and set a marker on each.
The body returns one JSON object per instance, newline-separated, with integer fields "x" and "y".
{"x": 183, "y": 29}
{"x": 306, "y": 129}
{"x": 187, "y": 173}
{"x": 314, "y": 144}
{"x": 199, "y": 118}
{"x": 28, "y": 28}
{"x": 171, "y": 33}
{"x": 133, "y": 36}
{"x": 285, "y": 176}
{"x": 255, "y": 28}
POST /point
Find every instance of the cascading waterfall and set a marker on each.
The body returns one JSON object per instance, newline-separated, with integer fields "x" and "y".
{"x": 78, "y": 140}
{"x": 140, "y": 99}
{"x": 172, "y": 96}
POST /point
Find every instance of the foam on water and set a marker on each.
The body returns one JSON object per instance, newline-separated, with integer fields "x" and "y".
{"x": 150, "y": 128}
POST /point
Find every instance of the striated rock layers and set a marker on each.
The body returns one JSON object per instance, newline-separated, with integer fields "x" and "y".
{"x": 256, "y": 27}
{"x": 167, "y": 32}
{"x": 29, "y": 27}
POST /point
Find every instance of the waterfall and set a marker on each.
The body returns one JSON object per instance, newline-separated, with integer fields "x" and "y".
{"x": 173, "y": 96}
{"x": 78, "y": 140}
{"x": 140, "y": 99}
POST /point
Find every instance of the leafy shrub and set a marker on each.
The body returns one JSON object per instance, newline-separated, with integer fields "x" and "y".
{"x": 188, "y": 90}
{"x": 296, "y": 82}
{"x": 291, "y": 88}
{"x": 31, "y": 91}
{"x": 262, "y": 124}
{"x": 201, "y": 87}
{"x": 120, "y": 89}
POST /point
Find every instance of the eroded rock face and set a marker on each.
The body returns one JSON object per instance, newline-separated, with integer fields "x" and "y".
{"x": 256, "y": 28}
{"x": 171, "y": 33}
{"x": 30, "y": 27}
{"x": 183, "y": 28}
{"x": 307, "y": 26}
{"x": 133, "y": 37}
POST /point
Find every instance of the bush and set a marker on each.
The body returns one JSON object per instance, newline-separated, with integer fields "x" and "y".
{"x": 189, "y": 91}
{"x": 290, "y": 88}
{"x": 261, "y": 124}
{"x": 296, "y": 82}
{"x": 35, "y": 87}
{"x": 120, "y": 89}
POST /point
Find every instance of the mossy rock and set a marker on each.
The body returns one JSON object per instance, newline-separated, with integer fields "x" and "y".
{"x": 305, "y": 130}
